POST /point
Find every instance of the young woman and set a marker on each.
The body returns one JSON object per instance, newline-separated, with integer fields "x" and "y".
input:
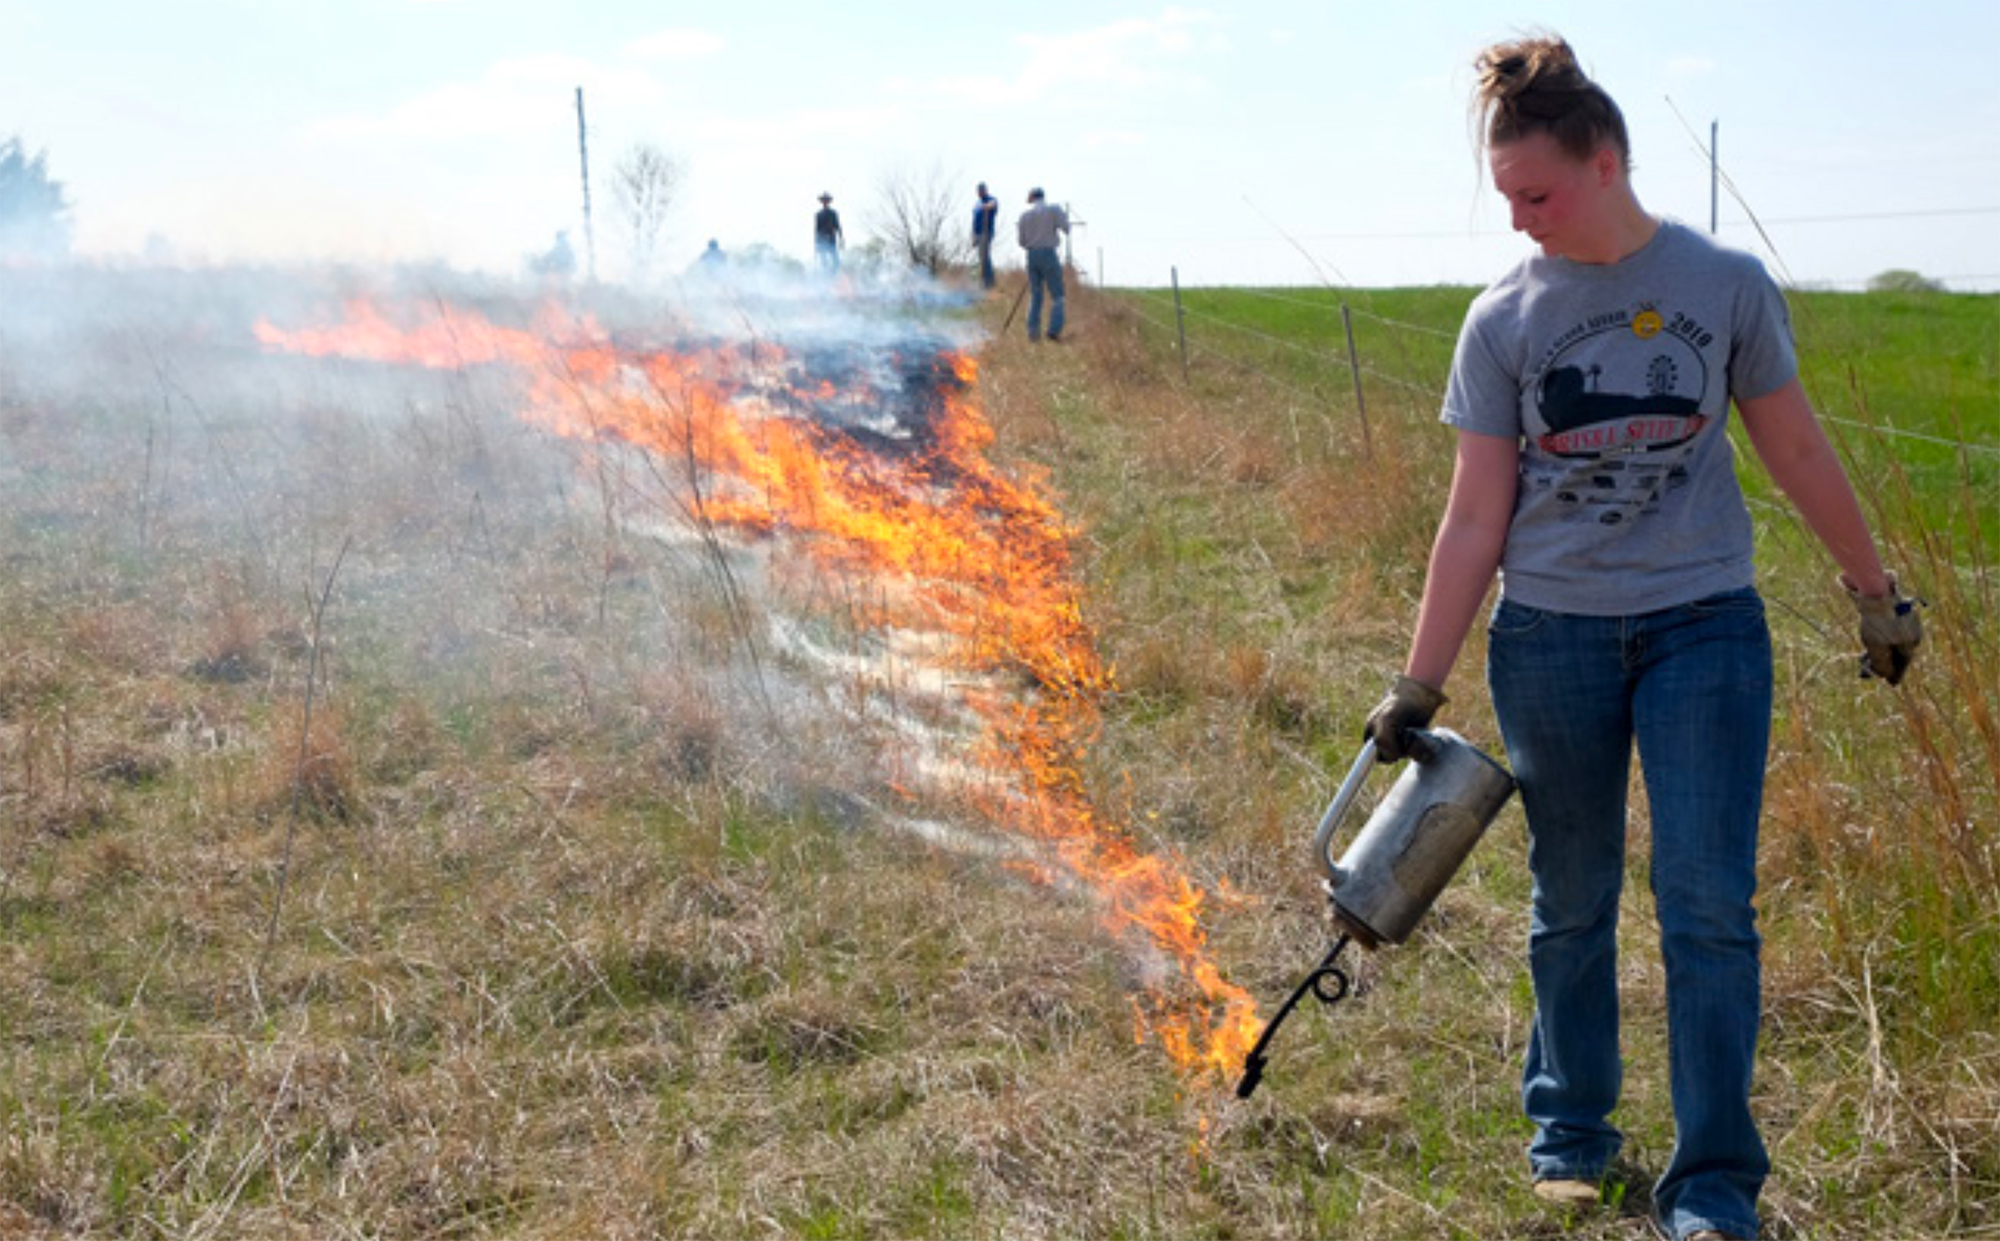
{"x": 1590, "y": 393}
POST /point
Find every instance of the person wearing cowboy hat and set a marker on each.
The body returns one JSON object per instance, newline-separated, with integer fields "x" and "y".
{"x": 827, "y": 237}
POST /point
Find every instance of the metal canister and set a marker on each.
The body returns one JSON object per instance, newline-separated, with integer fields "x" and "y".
{"x": 1417, "y": 838}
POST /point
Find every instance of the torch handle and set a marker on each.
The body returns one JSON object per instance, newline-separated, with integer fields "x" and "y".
{"x": 1349, "y": 789}
{"x": 1015, "y": 307}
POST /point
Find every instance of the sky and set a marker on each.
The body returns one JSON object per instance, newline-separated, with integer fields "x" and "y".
{"x": 1278, "y": 142}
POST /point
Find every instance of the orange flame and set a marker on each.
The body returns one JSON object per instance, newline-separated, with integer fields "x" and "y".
{"x": 982, "y": 558}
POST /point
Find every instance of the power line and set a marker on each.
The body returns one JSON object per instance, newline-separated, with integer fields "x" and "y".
{"x": 1459, "y": 234}
{"x": 1872, "y": 215}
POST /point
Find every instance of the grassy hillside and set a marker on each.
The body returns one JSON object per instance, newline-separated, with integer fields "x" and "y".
{"x": 558, "y": 918}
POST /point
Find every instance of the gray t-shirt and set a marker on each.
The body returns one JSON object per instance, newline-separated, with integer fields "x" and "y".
{"x": 1041, "y": 226}
{"x": 1616, "y": 379}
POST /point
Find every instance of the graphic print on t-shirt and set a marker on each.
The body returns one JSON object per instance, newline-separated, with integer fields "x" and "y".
{"x": 1617, "y": 404}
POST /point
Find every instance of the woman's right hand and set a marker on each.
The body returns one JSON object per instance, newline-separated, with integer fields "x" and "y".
{"x": 1409, "y": 704}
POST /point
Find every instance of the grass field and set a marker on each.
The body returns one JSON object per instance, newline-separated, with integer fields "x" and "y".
{"x": 586, "y": 931}
{"x": 1908, "y": 387}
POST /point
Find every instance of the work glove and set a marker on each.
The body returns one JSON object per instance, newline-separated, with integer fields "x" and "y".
{"x": 1410, "y": 704}
{"x": 1891, "y": 630}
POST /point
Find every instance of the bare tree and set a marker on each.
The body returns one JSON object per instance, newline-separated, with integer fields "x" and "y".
{"x": 918, "y": 217}
{"x": 643, "y": 185}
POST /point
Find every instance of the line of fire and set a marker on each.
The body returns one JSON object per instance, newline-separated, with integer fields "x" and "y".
{"x": 870, "y": 457}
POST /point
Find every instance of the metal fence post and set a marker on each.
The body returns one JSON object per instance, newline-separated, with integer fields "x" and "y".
{"x": 1180, "y": 321}
{"x": 1354, "y": 368}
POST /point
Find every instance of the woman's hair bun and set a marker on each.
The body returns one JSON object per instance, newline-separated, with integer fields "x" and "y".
{"x": 1534, "y": 85}
{"x": 1543, "y": 62}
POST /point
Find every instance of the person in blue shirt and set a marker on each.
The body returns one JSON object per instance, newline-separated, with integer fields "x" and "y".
{"x": 985, "y": 215}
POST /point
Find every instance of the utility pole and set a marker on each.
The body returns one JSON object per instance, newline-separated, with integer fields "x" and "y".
{"x": 1714, "y": 173}
{"x": 583, "y": 155}
{"x": 1069, "y": 258}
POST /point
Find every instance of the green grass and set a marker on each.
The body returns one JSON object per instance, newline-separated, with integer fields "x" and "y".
{"x": 1892, "y": 373}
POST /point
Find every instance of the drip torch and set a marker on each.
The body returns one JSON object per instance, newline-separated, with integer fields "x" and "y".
{"x": 1400, "y": 860}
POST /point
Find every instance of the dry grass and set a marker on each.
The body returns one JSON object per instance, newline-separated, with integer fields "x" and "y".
{"x": 589, "y": 930}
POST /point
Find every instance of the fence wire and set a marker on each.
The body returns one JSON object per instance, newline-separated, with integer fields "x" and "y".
{"x": 1293, "y": 345}
{"x": 1900, "y": 433}
{"x": 1430, "y": 391}
{"x": 1334, "y": 308}
{"x": 1426, "y": 391}
{"x": 1237, "y": 363}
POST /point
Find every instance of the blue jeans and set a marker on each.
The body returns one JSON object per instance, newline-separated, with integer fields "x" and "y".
{"x": 984, "y": 242}
{"x": 1692, "y": 685}
{"x": 828, "y": 254}
{"x": 1044, "y": 270}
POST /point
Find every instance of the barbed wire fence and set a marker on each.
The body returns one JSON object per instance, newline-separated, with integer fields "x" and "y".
{"x": 1339, "y": 360}
{"x": 1199, "y": 334}
{"x": 1341, "y": 355}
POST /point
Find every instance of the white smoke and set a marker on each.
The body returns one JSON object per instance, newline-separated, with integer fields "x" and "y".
{"x": 151, "y": 447}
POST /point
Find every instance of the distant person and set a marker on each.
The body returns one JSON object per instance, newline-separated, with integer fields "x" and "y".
{"x": 1041, "y": 229}
{"x": 985, "y": 216}
{"x": 713, "y": 259}
{"x": 827, "y": 237}
{"x": 1590, "y": 394}
{"x": 559, "y": 261}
